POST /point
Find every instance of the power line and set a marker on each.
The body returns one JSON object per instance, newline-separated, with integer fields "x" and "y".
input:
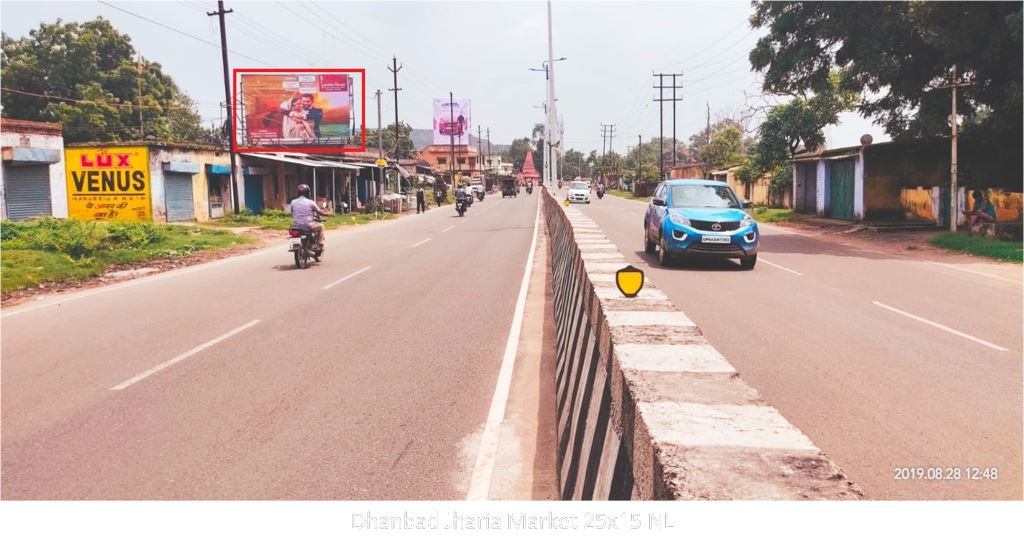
{"x": 95, "y": 102}
{"x": 175, "y": 30}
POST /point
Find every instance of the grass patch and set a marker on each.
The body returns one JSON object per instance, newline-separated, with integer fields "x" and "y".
{"x": 1009, "y": 251}
{"x": 55, "y": 250}
{"x": 764, "y": 214}
{"x": 625, "y": 194}
{"x": 280, "y": 220}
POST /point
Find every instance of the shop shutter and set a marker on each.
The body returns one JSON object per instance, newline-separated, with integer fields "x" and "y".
{"x": 27, "y": 191}
{"x": 178, "y": 194}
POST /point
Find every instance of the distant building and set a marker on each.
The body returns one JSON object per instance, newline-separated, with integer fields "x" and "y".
{"x": 438, "y": 156}
{"x": 493, "y": 164}
{"x": 32, "y": 175}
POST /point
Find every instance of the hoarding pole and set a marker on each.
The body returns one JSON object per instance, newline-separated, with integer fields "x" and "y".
{"x": 227, "y": 98}
{"x": 451, "y": 136}
{"x": 380, "y": 154}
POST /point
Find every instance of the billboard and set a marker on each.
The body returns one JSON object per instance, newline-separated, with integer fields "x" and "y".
{"x": 295, "y": 109}
{"x": 452, "y": 118}
{"x": 108, "y": 184}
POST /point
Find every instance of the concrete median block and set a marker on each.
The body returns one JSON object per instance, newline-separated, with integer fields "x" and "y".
{"x": 647, "y": 408}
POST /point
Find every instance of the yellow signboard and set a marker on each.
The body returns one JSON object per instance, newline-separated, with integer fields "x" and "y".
{"x": 109, "y": 184}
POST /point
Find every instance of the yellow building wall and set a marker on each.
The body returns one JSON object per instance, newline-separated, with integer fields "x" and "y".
{"x": 1008, "y": 205}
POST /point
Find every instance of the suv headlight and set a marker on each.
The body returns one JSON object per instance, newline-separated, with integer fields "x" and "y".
{"x": 680, "y": 220}
{"x": 747, "y": 221}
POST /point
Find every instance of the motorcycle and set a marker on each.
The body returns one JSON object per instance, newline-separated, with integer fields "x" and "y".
{"x": 600, "y": 193}
{"x": 303, "y": 245}
{"x": 480, "y": 195}
{"x": 460, "y": 206}
{"x": 529, "y": 189}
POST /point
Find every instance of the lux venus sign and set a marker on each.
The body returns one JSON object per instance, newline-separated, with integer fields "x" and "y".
{"x": 108, "y": 184}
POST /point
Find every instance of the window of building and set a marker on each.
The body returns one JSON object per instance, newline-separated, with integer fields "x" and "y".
{"x": 461, "y": 161}
{"x": 442, "y": 160}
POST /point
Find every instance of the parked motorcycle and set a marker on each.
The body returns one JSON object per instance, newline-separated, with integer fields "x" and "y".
{"x": 303, "y": 245}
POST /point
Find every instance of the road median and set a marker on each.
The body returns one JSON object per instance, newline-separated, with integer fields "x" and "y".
{"x": 646, "y": 408}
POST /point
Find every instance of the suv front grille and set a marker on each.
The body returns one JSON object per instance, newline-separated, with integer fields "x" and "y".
{"x": 706, "y": 225}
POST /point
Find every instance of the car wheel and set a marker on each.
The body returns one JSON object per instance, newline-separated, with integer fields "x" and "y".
{"x": 664, "y": 260}
{"x": 748, "y": 262}
{"x": 649, "y": 246}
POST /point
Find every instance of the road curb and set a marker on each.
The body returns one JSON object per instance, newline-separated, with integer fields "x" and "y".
{"x": 647, "y": 408}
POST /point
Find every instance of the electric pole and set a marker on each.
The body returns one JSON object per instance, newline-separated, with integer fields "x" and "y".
{"x": 487, "y": 162}
{"x": 380, "y": 154}
{"x": 394, "y": 69}
{"x": 639, "y": 157}
{"x": 142, "y": 125}
{"x": 953, "y": 195}
{"x": 479, "y": 146}
{"x": 227, "y": 97}
{"x": 661, "y": 106}
{"x": 674, "y": 87}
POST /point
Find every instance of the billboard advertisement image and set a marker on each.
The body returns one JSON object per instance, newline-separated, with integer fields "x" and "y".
{"x": 108, "y": 184}
{"x": 295, "y": 109}
{"x": 452, "y": 118}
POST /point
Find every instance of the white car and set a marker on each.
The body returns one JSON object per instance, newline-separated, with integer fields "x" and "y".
{"x": 579, "y": 192}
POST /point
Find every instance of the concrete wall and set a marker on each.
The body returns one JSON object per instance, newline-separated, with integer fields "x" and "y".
{"x": 890, "y": 169}
{"x": 58, "y": 178}
{"x": 646, "y": 408}
{"x": 921, "y": 204}
{"x": 200, "y": 187}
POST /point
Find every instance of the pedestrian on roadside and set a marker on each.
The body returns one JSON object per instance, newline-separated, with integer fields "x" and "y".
{"x": 984, "y": 211}
{"x": 421, "y": 200}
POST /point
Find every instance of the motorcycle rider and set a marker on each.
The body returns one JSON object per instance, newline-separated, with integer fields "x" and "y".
{"x": 304, "y": 212}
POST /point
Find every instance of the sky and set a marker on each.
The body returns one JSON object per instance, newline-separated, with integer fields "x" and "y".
{"x": 482, "y": 51}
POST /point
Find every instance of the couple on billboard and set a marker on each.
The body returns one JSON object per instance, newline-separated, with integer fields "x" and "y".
{"x": 301, "y": 118}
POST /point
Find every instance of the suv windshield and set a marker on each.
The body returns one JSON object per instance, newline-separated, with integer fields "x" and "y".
{"x": 704, "y": 196}
{"x": 579, "y": 185}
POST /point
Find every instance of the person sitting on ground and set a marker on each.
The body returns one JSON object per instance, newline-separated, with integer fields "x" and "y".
{"x": 984, "y": 211}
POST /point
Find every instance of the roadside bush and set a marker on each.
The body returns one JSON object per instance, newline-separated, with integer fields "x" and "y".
{"x": 134, "y": 235}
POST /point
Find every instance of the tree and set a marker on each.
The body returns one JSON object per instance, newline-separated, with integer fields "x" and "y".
{"x": 573, "y": 164}
{"x": 894, "y": 55}
{"x": 725, "y": 149}
{"x": 406, "y": 149}
{"x": 517, "y": 153}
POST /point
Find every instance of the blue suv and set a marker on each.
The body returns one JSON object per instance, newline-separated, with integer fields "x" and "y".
{"x": 699, "y": 218}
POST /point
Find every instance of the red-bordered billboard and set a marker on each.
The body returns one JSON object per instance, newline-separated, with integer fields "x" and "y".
{"x": 298, "y": 110}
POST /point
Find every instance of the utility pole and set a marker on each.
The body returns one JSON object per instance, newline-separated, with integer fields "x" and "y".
{"x": 674, "y": 87}
{"x": 708, "y": 131}
{"x": 394, "y": 68}
{"x": 487, "y": 162}
{"x": 661, "y": 105}
{"x": 953, "y": 202}
{"x": 142, "y": 125}
{"x": 479, "y": 147}
{"x": 227, "y": 97}
{"x": 380, "y": 154}
{"x": 639, "y": 157}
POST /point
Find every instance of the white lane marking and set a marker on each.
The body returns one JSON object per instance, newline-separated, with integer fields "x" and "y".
{"x": 421, "y": 243}
{"x": 774, "y": 265}
{"x": 345, "y": 278}
{"x": 143, "y": 280}
{"x": 180, "y": 357}
{"x": 950, "y": 266}
{"x": 480, "y": 485}
{"x": 942, "y": 327}
{"x": 447, "y": 229}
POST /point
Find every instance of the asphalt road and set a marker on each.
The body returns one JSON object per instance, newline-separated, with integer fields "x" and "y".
{"x": 335, "y": 382}
{"x": 812, "y": 327}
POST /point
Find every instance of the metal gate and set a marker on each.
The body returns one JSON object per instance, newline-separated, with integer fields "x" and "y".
{"x": 254, "y": 193}
{"x": 841, "y": 180}
{"x": 809, "y": 194}
{"x": 27, "y": 191}
{"x": 178, "y": 194}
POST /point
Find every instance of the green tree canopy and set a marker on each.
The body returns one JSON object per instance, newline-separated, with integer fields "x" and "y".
{"x": 406, "y": 148}
{"x": 90, "y": 78}
{"x": 894, "y": 55}
{"x": 725, "y": 149}
{"x": 517, "y": 153}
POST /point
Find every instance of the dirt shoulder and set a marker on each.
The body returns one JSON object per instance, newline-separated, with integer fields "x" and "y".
{"x": 126, "y": 272}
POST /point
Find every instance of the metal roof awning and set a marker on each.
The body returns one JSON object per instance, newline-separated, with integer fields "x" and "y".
{"x": 301, "y": 160}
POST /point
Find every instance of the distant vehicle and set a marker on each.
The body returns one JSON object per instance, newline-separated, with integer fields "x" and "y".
{"x": 508, "y": 188}
{"x": 699, "y": 218}
{"x": 579, "y": 192}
